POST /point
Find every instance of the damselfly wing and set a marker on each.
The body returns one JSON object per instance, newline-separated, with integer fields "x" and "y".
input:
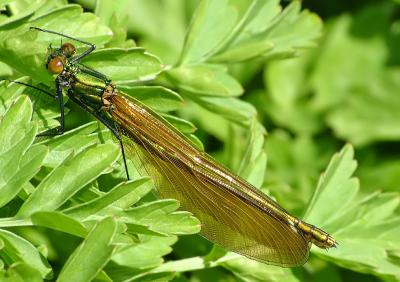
{"x": 233, "y": 213}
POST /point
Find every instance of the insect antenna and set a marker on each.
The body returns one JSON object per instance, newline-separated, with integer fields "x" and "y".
{"x": 77, "y": 58}
{"x": 30, "y": 85}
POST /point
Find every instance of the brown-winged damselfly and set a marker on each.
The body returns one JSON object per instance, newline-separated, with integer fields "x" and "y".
{"x": 233, "y": 213}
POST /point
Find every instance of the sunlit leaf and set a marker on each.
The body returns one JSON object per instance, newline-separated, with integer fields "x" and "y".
{"x": 19, "y": 161}
{"x": 87, "y": 165}
{"x": 356, "y": 221}
{"x": 16, "y": 248}
{"x": 92, "y": 255}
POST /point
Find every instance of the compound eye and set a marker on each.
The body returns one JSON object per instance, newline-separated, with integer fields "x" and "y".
{"x": 55, "y": 65}
{"x": 68, "y": 49}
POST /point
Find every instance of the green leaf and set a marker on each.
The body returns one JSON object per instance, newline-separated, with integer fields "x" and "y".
{"x": 86, "y": 26}
{"x": 182, "y": 125}
{"x": 196, "y": 141}
{"x": 207, "y": 32}
{"x": 356, "y": 222}
{"x": 383, "y": 176}
{"x": 250, "y": 270}
{"x": 150, "y": 251}
{"x": 134, "y": 229}
{"x": 254, "y": 161}
{"x": 138, "y": 189}
{"x": 204, "y": 79}
{"x": 360, "y": 93}
{"x": 19, "y": 161}
{"x": 155, "y": 277}
{"x": 289, "y": 104}
{"x": 245, "y": 41}
{"x": 25, "y": 50}
{"x": 147, "y": 18}
{"x": 335, "y": 76}
{"x": 5, "y": 70}
{"x": 4, "y": 2}
{"x": 17, "y": 249}
{"x": 45, "y": 107}
{"x": 125, "y": 65}
{"x": 73, "y": 141}
{"x": 244, "y": 51}
{"x": 71, "y": 176}
{"x": 335, "y": 183}
{"x": 161, "y": 217}
{"x": 370, "y": 113}
{"x": 190, "y": 264}
{"x": 294, "y": 165}
{"x": 22, "y": 14}
{"x": 9, "y": 92}
{"x": 292, "y": 31}
{"x": 250, "y": 29}
{"x": 243, "y": 268}
{"x": 233, "y": 109}
{"x": 130, "y": 190}
{"x": 60, "y": 222}
{"x": 158, "y": 98}
{"x": 20, "y": 272}
{"x": 105, "y": 11}
{"x": 22, "y": 10}
{"x": 92, "y": 254}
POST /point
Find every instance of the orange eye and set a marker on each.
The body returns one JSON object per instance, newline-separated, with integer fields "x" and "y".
{"x": 68, "y": 49}
{"x": 55, "y": 65}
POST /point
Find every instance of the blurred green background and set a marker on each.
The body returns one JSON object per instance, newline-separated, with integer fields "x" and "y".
{"x": 274, "y": 107}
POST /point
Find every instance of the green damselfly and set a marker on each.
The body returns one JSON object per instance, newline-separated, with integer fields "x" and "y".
{"x": 233, "y": 213}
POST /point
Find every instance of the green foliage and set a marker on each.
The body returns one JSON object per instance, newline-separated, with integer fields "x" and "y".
{"x": 358, "y": 221}
{"x": 82, "y": 265}
{"x": 67, "y": 213}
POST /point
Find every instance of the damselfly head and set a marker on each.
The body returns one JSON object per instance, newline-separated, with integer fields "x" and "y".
{"x": 57, "y": 58}
{"x": 55, "y": 65}
{"x": 68, "y": 49}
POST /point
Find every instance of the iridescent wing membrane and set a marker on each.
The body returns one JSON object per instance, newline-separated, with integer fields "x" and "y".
{"x": 229, "y": 214}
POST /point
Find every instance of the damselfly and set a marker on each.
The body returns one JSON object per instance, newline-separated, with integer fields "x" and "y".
{"x": 233, "y": 213}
